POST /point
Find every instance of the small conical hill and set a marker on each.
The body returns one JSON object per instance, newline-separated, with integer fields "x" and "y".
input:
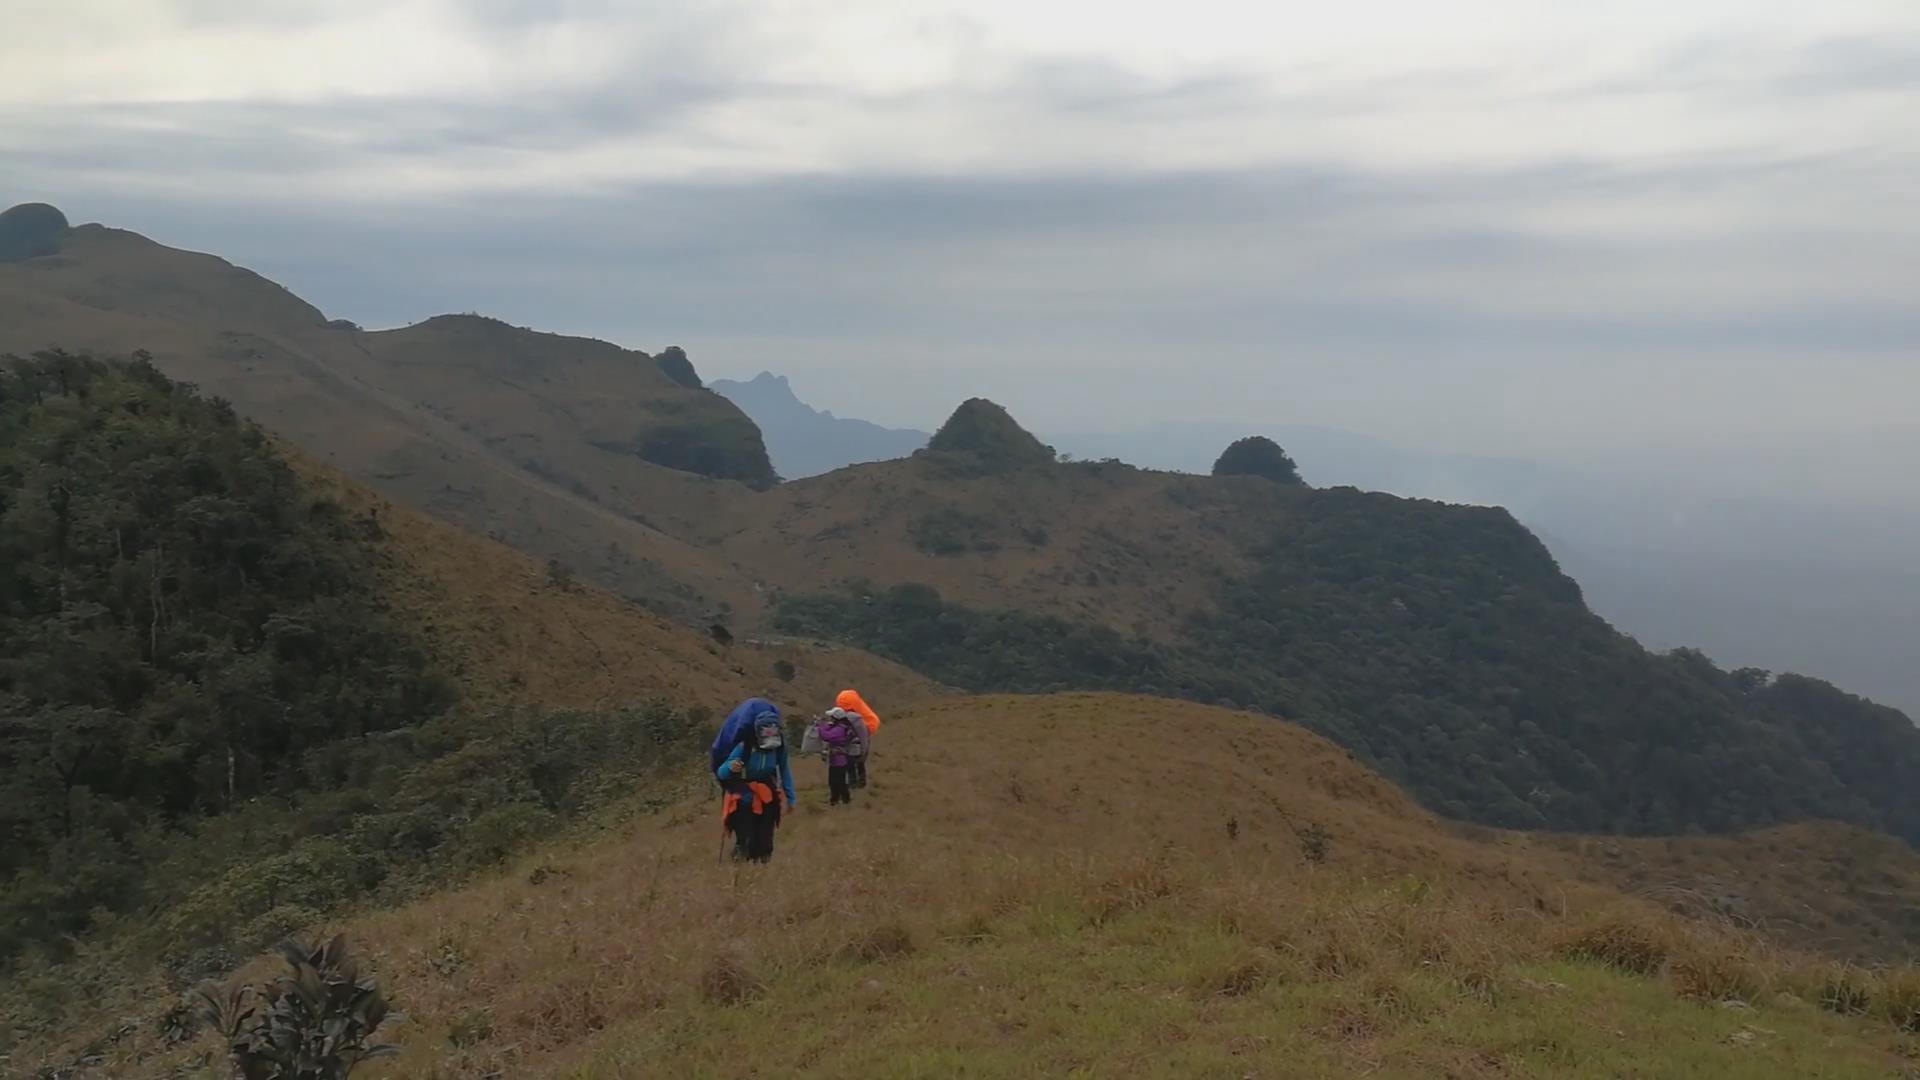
{"x": 1257, "y": 455}
{"x": 985, "y": 430}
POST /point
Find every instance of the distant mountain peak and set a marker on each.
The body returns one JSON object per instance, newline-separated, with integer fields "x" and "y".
{"x": 985, "y": 430}
{"x": 805, "y": 441}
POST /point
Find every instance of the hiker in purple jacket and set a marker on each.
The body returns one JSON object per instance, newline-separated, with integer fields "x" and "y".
{"x": 841, "y": 736}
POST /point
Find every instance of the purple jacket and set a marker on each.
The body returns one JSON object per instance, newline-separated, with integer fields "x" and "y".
{"x": 839, "y": 739}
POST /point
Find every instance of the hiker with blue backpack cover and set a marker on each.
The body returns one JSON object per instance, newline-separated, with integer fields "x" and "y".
{"x": 749, "y": 758}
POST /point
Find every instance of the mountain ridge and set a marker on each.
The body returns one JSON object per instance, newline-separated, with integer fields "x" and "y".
{"x": 487, "y": 425}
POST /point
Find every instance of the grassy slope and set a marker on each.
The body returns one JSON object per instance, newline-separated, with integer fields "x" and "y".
{"x": 1010, "y": 898}
{"x": 1111, "y": 545}
{"x": 509, "y": 633}
{"x": 1833, "y": 888}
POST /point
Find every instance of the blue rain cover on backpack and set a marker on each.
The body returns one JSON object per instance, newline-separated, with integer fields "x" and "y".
{"x": 738, "y": 724}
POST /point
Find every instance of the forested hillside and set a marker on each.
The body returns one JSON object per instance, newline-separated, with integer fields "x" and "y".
{"x": 181, "y": 629}
{"x": 1443, "y": 644}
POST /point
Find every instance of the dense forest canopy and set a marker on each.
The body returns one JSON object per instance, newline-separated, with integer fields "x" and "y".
{"x": 183, "y": 628}
{"x": 1444, "y": 646}
{"x": 1257, "y": 455}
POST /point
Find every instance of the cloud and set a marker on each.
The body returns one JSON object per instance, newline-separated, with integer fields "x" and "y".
{"x": 1380, "y": 211}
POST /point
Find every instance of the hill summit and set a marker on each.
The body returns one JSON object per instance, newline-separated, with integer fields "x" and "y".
{"x": 985, "y": 430}
{"x": 30, "y": 230}
{"x": 1257, "y": 455}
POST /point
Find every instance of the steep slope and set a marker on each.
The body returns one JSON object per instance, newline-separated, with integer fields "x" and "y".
{"x": 804, "y": 441}
{"x": 1044, "y": 885}
{"x": 561, "y": 446}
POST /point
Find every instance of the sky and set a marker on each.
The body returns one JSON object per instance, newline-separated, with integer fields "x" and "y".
{"x": 1488, "y": 226}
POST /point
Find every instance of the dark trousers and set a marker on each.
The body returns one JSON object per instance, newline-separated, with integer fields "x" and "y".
{"x": 857, "y": 771}
{"x": 837, "y": 784}
{"x": 753, "y": 833}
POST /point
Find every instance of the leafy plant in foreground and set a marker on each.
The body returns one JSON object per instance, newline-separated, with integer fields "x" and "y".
{"x": 312, "y": 1023}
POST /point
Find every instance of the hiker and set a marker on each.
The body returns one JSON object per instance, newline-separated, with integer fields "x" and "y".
{"x": 748, "y": 770}
{"x": 841, "y": 737}
{"x": 851, "y": 701}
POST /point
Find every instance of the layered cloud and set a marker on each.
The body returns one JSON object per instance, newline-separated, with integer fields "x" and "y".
{"x": 1496, "y": 221}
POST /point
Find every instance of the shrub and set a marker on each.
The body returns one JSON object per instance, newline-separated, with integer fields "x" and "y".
{"x": 1314, "y": 843}
{"x": 728, "y": 980}
{"x": 312, "y": 1023}
{"x": 879, "y": 941}
{"x": 1134, "y": 886}
{"x": 470, "y": 1028}
{"x": 1845, "y": 989}
{"x": 948, "y": 532}
{"x": 1898, "y": 999}
{"x": 1718, "y": 972}
{"x": 1625, "y": 943}
{"x": 1245, "y": 975}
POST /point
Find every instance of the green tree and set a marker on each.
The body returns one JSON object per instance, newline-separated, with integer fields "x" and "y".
{"x": 1257, "y": 455}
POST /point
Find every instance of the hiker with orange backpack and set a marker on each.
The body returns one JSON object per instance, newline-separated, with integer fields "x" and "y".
{"x": 850, "y": 701}
{"x": 750, "y": 758}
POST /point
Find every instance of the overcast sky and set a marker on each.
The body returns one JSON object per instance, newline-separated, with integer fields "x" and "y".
{"x": 1492, "y": 225}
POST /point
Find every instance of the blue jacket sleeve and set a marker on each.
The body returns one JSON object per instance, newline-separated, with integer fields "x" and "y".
{"x": 786, "y": 776}
{"x": 721, "y": 774}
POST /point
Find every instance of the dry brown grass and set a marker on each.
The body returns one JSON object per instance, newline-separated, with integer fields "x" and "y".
{"x": 1896, "y": 996}
{"x": 937, "y": 873}
{"x": 1822, "y": 886}
{"x": 1634, "y": 943}
{"x": 508, "y": 633}
{"x": 886, "y": 939}
{"x": 728, "y": 980}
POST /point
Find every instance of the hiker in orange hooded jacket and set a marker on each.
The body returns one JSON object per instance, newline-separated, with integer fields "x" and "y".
{"x": 851, "y": 701}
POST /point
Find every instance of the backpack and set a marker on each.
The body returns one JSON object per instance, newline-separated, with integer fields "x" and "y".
{"x": 739, "y": 728}
{"x": 851, "y": 701}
